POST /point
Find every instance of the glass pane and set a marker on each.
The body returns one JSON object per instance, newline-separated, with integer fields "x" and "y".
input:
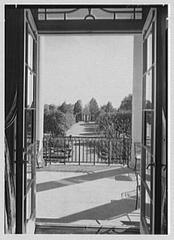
{"x": 120, "y": 9}
{"x": 41, "y": 16}
{"x": 29, "y": 123}
{"x": 148, "y": 170}
{"x": 100, "y": 14}
{"x": 138, "y": 16}
{"x": 124, "y": 16}
{"x": 29, "y": 141}
{"x": 30, "y": 161}
{"x": 28, "y": 169}
{"x": 29, "y": 89}
{"x": 138, "y": 155}
{"x": 41, "y": 10}
{"x": 147, "y": 209}
{"x": 148, "y": 125}
{"x": 59, "y": 10}
{"x": 28, "y": 214}
{"x": 149, "y": 51}
{"x": 148, "y": 95}
{"x": 30, "y": 51}
{"x": 55, "y": 16}
{"x": 145, "y": 56}
{"x": 79, "y": 14}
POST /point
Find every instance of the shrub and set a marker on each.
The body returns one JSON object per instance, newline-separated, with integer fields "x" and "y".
{"x": 115, "y": 124}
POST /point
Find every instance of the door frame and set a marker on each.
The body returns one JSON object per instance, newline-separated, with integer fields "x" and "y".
{"x": 20, "y": 171}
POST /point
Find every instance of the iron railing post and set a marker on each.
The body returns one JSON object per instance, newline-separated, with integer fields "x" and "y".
{"x": 64, "y": 151}
{"x": 50, "y": 154}
{"x": 79, "y": 151}
{"x": 94, "y": 151}
{"x": 123, "y": 156}
{"x": 47, "y": 152}
{"x": 83, "y": 152}
{"x": 86, "y": 151}
{"x": 109, "y": 157}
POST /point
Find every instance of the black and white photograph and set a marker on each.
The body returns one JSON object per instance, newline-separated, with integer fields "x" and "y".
{"x": 86, "y": 119}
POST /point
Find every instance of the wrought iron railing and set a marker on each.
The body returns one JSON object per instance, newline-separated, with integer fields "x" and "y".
{"x": 87, "y": 150}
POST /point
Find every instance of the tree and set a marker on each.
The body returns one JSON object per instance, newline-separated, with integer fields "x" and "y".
{"x": 52, "y": 107}
{"x": 94, "y": 109}
{"x": 46, "y": 108}
{"x": 66, "y": 108}
{"x": 62, "y": 107}
{"x": 86, "y": 113}
{"x": 108, "y": 108}
{"x": 69, "y": 120}
{"x": 78, "y": 110}
{"x": 86, "y": 109}
{"x": 126, "y": 104}
{"x": 58, "y": 123}
{"x": 54, "y": 122}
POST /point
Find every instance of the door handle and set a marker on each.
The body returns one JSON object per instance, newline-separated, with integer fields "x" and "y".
{"x": 150, "y": 165}
{"x": 164, "y": 167}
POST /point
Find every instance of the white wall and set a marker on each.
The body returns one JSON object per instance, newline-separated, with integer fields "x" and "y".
{"x": 137, "y": 90}
{"x": 39, "y": 109}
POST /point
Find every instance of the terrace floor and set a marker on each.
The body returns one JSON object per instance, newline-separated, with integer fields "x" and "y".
{"x": 86, "y": 195}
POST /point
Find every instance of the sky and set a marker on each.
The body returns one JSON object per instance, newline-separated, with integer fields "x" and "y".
{"x": 82, "y": 66}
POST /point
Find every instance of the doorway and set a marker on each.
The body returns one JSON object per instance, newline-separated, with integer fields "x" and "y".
{"x": 27, "y": 98}
{"x": 86, "y": 67}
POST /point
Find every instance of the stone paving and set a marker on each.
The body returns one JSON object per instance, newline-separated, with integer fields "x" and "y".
{"x": 86, "y": 194}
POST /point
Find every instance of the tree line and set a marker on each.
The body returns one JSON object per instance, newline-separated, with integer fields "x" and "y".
{"x": 111, "y": 121}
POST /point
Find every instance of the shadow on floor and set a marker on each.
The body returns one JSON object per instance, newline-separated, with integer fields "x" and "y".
{"x": 83, "y": 178}
{"x": 134, "y": 223}
{"x": 103, "y": 212}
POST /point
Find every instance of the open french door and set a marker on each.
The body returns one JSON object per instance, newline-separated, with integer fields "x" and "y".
{"x": 148, "y": 164}
{"x": 26, "y": 128}
{"x": 30, "y": 143}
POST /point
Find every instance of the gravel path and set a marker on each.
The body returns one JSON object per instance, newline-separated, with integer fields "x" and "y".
{"x": 83, "y": 129}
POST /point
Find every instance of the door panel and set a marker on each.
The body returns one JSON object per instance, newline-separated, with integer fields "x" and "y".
{"x": 30, "y": 119}
{"x": 148, "y": 118}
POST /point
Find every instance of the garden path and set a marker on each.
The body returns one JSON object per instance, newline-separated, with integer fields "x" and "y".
{"x": 83, "y": 129}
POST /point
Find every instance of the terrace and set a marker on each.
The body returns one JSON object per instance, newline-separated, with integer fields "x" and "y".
{"x": 91, "y": 197}
{"x": 92, "y": 177}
